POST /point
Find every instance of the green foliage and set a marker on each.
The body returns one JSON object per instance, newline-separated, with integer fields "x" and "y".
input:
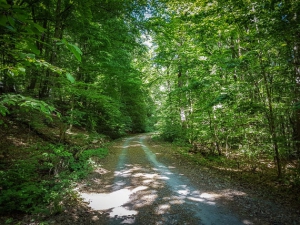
{"x": 63, "y": 59}
{"x": 225, "y": 74}
{"x": 70, "y": 78}
{"x": 42, "y": 181}
{"x": 100, "y": 87}
{"x": 85, "y": 162}
{"x": 73, "y": 48}
{"x": 24, "y": 103}
{"x": 171, "y": 131}
{"x": 227, "y": 79}
{"x": 21, "y": 189}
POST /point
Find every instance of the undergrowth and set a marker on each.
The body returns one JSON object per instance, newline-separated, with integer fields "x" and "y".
{"x": 256, "y": 172}
{"x": 40, "y": 182}
{"x": 246, "y": 173}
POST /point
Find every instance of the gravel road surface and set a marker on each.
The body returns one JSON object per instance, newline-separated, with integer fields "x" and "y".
{"x": 143, "y": 182}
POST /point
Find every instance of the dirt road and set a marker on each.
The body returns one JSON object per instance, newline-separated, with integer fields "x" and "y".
{"x": 142, "y": 183}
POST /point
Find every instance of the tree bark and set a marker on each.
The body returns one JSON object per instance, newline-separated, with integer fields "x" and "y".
{"x": 58, "y": 33}
{"x": 271, "y": 117}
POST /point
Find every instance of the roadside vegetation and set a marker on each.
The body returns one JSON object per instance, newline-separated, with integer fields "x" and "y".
{"x": 239, "y": 170}
{"x": 227, "y": 76}
{"x": 39, "y": 167}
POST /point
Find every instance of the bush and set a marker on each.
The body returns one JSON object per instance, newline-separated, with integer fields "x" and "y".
{"x": 22, "y": 190}
{"x": 40, "y": 182}
{"x": 84, "y": 164}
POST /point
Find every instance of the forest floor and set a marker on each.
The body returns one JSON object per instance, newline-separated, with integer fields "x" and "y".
{"x": 147, "y": 182}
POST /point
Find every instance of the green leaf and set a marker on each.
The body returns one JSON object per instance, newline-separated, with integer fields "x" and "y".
{"x": 22, "y": 69}
{"x": 75, "y": 50}
{"x": 11, "y": 21}
{"x": 3, "y": 4}
{"x": 3, "y": 110}
{"x": 11, "y": 28}
{"x": 70, "y": 78}
{"x": 3, "y": 20}
{"x": 32, "y": 47}
{"x": 40, "y": 28}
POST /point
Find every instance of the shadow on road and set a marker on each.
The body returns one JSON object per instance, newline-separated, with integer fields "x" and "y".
{"x": 145, "y": 191}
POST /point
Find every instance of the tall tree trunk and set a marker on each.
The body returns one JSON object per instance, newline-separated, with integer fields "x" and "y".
{"x": 58, "y": 31}
{"x": 180, "y": 99}
{"x": 296, "y": 128}
{"x": 214, "y": 131}
{"x": 271, "y": 116}
{"x": 40, "y": 47}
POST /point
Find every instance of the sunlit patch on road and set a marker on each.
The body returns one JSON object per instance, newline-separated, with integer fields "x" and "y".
{"x": 141, "y": 181}
{"x": 114, "y": 200}
{"x": 183, "y": 192}
{"x": 202, "y": 204}
{"x": 162, "y": 209}
{"x": 122, "y": 211}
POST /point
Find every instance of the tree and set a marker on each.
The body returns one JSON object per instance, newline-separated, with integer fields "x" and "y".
{"x": 73, "y": 47}
{"x": 235, "y": 65}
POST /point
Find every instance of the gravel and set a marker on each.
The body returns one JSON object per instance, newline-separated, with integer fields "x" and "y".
{"x": 143, "y": 182}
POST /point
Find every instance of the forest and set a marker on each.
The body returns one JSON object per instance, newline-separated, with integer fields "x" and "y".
{"x": 219, "y": 78}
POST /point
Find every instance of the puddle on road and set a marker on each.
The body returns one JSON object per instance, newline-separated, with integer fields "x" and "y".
{"x": 113, "y": 200}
